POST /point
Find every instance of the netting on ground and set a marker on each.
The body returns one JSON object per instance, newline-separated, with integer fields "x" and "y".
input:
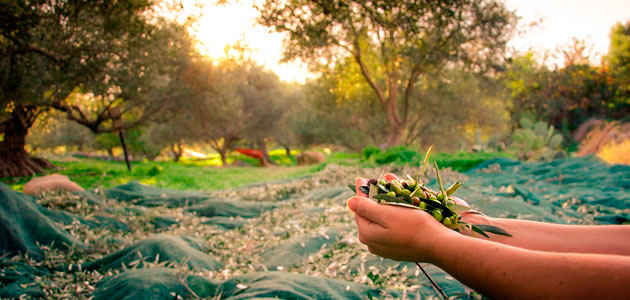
{"x": 290, "y": 240}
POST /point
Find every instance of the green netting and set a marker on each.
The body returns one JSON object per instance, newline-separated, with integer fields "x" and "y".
{"x": 140, "y": 194}
{"x": 226, "y": 223}
{"x": 282, "y": 285}
{"x": 295, "y": 250}
{"x": 159, "y": 248}
{"x": 154, "y": 283}
{"x": 577, "y": 190}
{"x": 16, "y": 279}
{"x": 22, "y": 226}
{"x": 161, "y": 283}
{"x": 230, "y": 208}
{"x": 551, "y": 191}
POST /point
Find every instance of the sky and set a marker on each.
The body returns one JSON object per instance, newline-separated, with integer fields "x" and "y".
{"x": 562, "y": 20}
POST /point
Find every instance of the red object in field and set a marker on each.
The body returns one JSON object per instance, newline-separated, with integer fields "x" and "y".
{"x": 257, "y": 154}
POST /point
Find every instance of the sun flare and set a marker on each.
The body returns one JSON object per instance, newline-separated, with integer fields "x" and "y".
{"x": 221, "y": 26}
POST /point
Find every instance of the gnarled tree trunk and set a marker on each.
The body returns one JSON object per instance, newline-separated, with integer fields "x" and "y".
{"x": 265, "y": 160}
{"x": 14, "y": 160}
{"x": 177, "y": 149}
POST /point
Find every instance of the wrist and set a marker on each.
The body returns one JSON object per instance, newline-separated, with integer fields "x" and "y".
{"x": 440, "y": 244}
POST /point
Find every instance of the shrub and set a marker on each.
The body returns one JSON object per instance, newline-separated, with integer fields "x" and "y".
{"x": 370, "y": 151}
{"x": 536, "y": 141}
{"x": 399, "y": 155}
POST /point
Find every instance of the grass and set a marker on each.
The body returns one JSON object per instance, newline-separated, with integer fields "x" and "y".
{"x": 184, "y": 175}
{"x": 206, "y": 174}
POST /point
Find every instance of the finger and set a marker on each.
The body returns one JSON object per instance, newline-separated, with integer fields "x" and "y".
{"x": 371, "y": 233}
{"x": 369, "y": 210}
{"x": 360, "y": 182}
{"x": 390, "y": 177}
{"x": 460, "y": 201}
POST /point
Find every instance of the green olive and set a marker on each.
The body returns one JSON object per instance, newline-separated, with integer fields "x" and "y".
{"x": 392, "y": 193}
{"x": 437, "y": 214}
{"x": 397, "y": 188}
{"x": 422, "y": 205}
{"x": 440, "y": 197}
{"x": 447, "y": 222}
{"x": 406, "y": 192}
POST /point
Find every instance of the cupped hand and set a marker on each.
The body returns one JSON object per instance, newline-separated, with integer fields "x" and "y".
{"x": 398, "y": 233}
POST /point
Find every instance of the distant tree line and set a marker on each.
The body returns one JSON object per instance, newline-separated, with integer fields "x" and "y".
{"x": 388, "y": 73}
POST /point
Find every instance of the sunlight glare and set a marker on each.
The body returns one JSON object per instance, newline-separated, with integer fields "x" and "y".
{"x": 223, "y": 25}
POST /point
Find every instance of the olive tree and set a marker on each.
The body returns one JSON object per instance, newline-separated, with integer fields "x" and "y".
{"x": 95, "y": 61}
{"x": 395, "y": 44}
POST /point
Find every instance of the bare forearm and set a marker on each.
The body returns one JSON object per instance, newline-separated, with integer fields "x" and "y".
{"x": 597, "y": 239}
{"x": 506, "y": 272}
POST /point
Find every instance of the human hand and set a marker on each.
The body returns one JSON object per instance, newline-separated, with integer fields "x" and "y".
{"x": 396, "y": 232}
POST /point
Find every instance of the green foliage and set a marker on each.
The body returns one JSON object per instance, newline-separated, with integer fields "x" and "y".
{"x": 481, "y": 145}
{"x": 183, "y": 175}
{"x": 383, "y": 50}
{"x": 459, "y": 161}
{"x": 536, "y": 141}
{"x": 398, "y": 155}
{"x": 370, "y": 151}
{"x": 568, "y": 96}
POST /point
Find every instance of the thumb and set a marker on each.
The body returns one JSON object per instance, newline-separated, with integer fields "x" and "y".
{"x": 368, "y": 210}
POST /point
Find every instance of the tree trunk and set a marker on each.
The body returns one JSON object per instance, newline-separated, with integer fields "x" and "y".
{"x": 223, "y": 156}
{"x": 288, "y": 150}
{"x": 177, "y": 150}
{"x": 265, "y": 159}
{"x": 14, "y": 160}
{"x": 394, "y": 122}
{"x": 394, "y": 135}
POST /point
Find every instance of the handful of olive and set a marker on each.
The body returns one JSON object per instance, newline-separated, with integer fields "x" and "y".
{"x": 413, "y": 193}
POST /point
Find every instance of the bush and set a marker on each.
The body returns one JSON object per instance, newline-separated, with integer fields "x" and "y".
{"x": 399, "y": 155}
{"x": 536, "y": 141}
{"x": 370, "y": 151}
{"x": 459, "y": 161}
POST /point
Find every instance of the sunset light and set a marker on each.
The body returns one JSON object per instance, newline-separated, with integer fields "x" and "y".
{"x": 223, "y": 25}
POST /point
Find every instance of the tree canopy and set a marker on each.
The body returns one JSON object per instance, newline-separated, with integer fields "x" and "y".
{"x": 96, "y": 61}
{"x": 395, "y": 44}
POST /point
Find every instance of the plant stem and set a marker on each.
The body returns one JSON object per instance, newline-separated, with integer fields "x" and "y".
{"x": 435, "y": 286}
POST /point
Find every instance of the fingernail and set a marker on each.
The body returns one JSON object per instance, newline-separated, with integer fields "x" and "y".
{"x": 352, "y": 203}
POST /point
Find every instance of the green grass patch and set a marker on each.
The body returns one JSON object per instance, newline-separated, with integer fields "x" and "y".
{"x": 183, "y": 175}
{"x": 400, "y": 155}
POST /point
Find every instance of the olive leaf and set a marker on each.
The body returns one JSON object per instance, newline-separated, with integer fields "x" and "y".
{"x": 451, "y": 189}
{"x": 426, "y": 160}
{"x": 478, "y": 230}
{"x": 458, "y": 208}
{"x": 384, "y": 189}
{"x": 413, "y": 194}
{"x": 363, "y": 188}
{"x": 439, "y": 179}
{"x": 492, "y": 229}
{"x": 388, "y": 198}
{"x": 447, "y": 212}
{"x": 401, "y": 204}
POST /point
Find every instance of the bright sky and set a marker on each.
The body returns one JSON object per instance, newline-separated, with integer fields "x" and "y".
{"x": 589, "y": 20}
{"x": 562, "y": 20}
